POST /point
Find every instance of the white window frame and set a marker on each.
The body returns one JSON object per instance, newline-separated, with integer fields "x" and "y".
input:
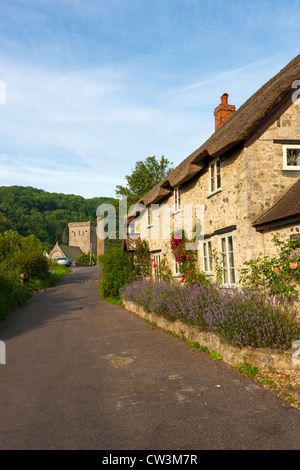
{"x": 214, "y": 175}
{"x": 207, "y": 257}
{"x": 156, "y": 257}
{"x": 229, "y": 265}
{"x": 177, "y": 202}
{"x": 149, "y": 216}
{"x": 285, "y": 149}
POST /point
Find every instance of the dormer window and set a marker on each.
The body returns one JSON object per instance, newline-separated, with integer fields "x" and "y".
{"x": 177, "y": 204}
{"x": 214, "y": 171}
{"x": 291, "y": 157}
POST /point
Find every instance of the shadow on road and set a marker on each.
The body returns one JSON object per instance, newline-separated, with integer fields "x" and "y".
{"x": 75, "y": 291}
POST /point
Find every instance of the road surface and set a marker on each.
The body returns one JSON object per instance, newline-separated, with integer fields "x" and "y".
{"x": 84, "y": 374}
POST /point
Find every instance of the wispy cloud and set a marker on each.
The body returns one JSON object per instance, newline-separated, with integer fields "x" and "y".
{"x": 225, "y": 76}
{"x": 92, "y": 87}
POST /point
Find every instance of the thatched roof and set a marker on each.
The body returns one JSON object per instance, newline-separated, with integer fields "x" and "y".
{"x": 235, "y": 131}
{"x": 286, "y": 208}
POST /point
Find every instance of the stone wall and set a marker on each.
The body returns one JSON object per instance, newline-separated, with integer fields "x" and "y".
{"x": 264, "y": 180}
{"x": 284, "y": 232}
{"x": 263, "y": 358}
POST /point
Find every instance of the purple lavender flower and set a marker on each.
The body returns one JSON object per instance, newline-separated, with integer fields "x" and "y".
{"x": 242, "y": 318}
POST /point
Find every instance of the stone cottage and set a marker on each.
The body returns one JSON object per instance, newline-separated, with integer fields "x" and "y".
{"x": 65, "y": 251}
{"x": 246, "y": 177}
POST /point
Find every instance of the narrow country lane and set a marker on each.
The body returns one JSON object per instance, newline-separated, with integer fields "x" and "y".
{"x": 84, "y": 374}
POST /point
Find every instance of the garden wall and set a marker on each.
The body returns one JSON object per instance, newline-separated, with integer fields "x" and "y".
{"x": 263, "y": 358}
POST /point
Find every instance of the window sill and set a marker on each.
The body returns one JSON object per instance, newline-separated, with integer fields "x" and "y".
{"x": 149, "y": 226}
{"x": 291, "y": 168}
{"x": 216, "y": 191}
{"x": 228, "y": 286}
{"x": 208, "y": 273}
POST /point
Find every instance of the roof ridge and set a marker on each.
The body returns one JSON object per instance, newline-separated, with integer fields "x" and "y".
{"x": 236, "y": 129}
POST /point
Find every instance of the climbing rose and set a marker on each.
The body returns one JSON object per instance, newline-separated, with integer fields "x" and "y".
{"x": 276, "y": 270}
{"x": 293, "y": 265}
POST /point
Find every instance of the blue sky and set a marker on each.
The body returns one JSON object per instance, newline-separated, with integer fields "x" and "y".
{"x": 92, "y": 87}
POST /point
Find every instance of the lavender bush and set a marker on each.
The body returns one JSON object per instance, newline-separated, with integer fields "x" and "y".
{"x": 242, "y": 318}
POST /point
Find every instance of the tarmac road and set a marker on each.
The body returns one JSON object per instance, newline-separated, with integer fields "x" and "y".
{"x": 84, "y": 374}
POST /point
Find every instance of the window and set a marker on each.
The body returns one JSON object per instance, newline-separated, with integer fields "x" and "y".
{"x": 131, "y": 228}
{"x": 207, "y": 257}
{"x": 214, "y": 176}
{"x": 227, "y": 260}
{"x": 291, "y": 157}
{"x": 156, "y": 263}
{"x": 150, "y": 217}
{"x": 177, "y": 205}
{"x": 176, "y": 268}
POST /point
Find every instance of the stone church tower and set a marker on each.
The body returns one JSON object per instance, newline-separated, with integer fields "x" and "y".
{"x": 84, "y": 235}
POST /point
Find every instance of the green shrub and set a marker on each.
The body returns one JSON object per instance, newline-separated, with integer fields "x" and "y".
{"x": 56, "y": 272}
{"x": 23, "y": 269}
{"x": 86, "y": 258}
{"x": 31, "y": 264}
{"x": 23, "y": 255}
{"x": 10, "y": 244}
{"x": 116, "y": 267}
{"x": 12, "y": 293}
{"x": 276, "y": 275}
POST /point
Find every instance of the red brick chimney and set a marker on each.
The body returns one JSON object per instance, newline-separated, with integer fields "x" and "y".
{"x": 223, "y": 111}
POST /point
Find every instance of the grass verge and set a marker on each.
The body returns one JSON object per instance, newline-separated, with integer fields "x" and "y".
{"x": 286, "y": 383}
{"x": 13, "y": 294}
{"x": 111, "y": 300}
{"x": 56, "y": 272}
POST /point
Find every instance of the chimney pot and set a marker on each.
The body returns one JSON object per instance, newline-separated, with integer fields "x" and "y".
{"x": 223, "y": 111}
{"x": 224, "y": 98}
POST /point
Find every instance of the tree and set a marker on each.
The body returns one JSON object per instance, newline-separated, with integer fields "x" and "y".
{"x": 145, "y": 176}
{"x": 10, "y": 244}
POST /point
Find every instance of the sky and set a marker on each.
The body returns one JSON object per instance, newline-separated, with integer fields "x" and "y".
{"x": 88, "y": 88}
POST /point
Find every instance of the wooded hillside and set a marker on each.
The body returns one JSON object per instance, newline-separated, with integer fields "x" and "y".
{"x": 46, "y": 215}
